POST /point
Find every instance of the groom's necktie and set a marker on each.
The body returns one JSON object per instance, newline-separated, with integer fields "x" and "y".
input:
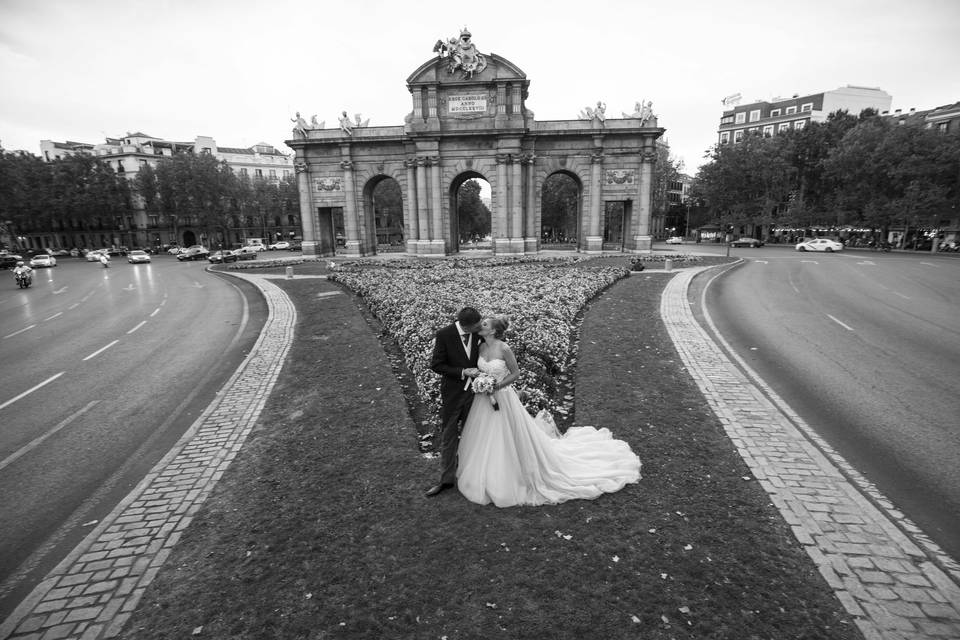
{"x": 466, "y": 339}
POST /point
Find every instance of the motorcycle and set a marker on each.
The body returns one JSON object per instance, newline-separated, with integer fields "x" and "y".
{"x": 24, "y": 280}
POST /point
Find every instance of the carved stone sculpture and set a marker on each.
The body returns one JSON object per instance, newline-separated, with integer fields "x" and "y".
{"x": 346, "y": 125}
{"x": 461, "y": 54}
{"x": 300, "y": 125}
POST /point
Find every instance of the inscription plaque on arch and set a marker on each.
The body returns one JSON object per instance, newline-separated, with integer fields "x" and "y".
{"x": 467, "y": 103}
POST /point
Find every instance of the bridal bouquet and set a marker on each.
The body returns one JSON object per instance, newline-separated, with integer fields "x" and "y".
{"x": 485, "y": 383}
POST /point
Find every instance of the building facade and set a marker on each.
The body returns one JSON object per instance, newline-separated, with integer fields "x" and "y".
{"x": 775, "y": 116}
{"x": 141, "y": 229}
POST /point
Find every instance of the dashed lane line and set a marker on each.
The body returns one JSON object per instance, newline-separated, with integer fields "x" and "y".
{"x": 842, "y": 324}
{"x": 100, "y": 350}
{"x": 33, "y": 444}
{"x": 31, "y": 390}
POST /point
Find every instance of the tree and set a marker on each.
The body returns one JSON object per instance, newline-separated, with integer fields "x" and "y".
{"x": 473, "y": 216}
{"x": 559, "y": 204}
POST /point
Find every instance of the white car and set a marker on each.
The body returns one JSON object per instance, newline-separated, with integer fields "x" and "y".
{"x": 283, "y": 244}
{"x": 675, "y": 240}
{"x": 138, "y": 256}
{"x": 820, "y": 244}
{"x": 43, "y": 260}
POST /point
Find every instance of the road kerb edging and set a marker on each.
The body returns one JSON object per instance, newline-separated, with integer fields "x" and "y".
{"x": 878, "y": 572}
{"x": 102, "y": 600}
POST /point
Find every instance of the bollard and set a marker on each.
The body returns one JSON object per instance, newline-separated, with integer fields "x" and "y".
{"x": 289, "y": 272}
{"x": 668, "y": 265}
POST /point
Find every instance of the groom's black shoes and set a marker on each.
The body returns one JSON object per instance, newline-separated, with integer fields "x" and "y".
{"x": 438, "y": 489}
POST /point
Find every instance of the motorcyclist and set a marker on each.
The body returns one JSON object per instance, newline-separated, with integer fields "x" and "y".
{"x": 24, "y": 269}
{"x": 105, "y": 259}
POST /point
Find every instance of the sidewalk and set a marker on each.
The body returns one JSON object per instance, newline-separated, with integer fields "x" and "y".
{"x": 894, "y": 582}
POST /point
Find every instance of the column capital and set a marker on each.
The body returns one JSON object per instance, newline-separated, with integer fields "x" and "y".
{"x": 301, "y": 167}
{"x": 410, "y": 163}
{"x": 528, "y": 158}
{"x": 504, "y": 158}
{"x": 596, "y": 157}
{"x": 648, "y": 156}
{"x": 347, "y": 165}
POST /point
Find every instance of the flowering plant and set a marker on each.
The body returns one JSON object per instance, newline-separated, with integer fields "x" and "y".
{"x": 485, "y": 383}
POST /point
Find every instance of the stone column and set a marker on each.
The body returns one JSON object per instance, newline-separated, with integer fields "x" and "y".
{"x": 308, "y": 213}
{"x": 351, "y": 221}
{"x": 643, "y": 241}
{"x": 411, "y": 220}
{"x": 594, "y": 240}
{"x": 516, "y": 206}
{"x": 531, "y": 235}
{"x": 438, "y": 243}
{"x": 423, "y": 207}
{"x": 499, "y": 228}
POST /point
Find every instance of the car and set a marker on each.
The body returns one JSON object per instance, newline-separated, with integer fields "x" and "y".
{"x": 675, "y": 240}
{"x": 196, "y": 252}
{"x": 248, "y": 252}
{"x": 746, "y": 242}
{"x": 296, "y": 246}
{"x": 137, "y": 256}
{"x": 820, "y": 244}
{"x": 59, "y": 252}
{"x": 283, "y": 244}
{"x": 9, "y": 261}
{"x": 226, "y": 255}
{"x": 43, "y": 260}
{"x": 175, "y": 250}
{"x": 116, "y": 251}
{"x": 94, "y": 255}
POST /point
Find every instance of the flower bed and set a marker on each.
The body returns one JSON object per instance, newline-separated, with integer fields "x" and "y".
{"x": 541, "y": 302}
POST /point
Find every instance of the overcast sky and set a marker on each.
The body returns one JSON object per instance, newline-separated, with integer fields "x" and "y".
{"x": 237, "y": 70}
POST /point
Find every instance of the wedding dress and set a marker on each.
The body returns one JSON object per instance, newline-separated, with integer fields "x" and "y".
{"x": 509, "y": 458}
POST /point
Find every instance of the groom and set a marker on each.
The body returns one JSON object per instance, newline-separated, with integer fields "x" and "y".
{"x": 455, "y": 352}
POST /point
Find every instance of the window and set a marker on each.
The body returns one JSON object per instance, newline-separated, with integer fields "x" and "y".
{"x": 768, "y": 131}
{"x": 726, "y": 120}
{"x": 784, "y": 126}
{"x": 153, "y": 221}
{"x": 120, "y": 168}
{"x": 273, "y": 173}
{"x": 243, "y": 171}
{"x": 752, "y": 130}
{"x": 724, "y": 137}
{"x": 738, "y": 135}
{"x": 754, "y": 115}
{"x": 791, "y": 110}
{"x": 807, "y": 106}
{"x": 943, "y": 127}
{"x": 774, "y": 113}
{"x": 258, "y": 173}
{"x": 740, "y": 118}
{"x": 799, "y": 124}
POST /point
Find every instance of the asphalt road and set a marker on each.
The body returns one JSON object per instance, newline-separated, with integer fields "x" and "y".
{"x": 865, "y": 347}
{"x": 101, "y": 371}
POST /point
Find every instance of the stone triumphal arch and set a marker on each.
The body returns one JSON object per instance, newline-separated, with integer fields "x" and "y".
{"x": 469, "y": 120}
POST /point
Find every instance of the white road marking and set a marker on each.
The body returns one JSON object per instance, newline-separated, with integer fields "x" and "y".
{"x": 811, "y": 261}
{"x": 56, "y": 315}
{"x": 897, "y": 293}
{"x": 19, "y": 332}
{"x": 761, "y": 261}
{"x": 31, "y": 390}
{"x": 137, "y": 327}
{"x": 328, "y": 294}
{"x": 59, "y": 291}
{"x": 930, "y": 264}
{"x": 100, "y": 350}
{"x": 129, "y": 287}
{"x": 33, "y": 444}
{"x": 155, "y": 312}
{"x": 868, "y": 262}
{"x": 73, "y": 306}
{"x": 845, "y": 326}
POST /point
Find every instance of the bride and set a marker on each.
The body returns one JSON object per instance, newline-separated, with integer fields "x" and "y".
{"x": 509, "y": 458}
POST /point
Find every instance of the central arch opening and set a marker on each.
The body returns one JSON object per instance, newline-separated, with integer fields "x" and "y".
{"x": 383, "y": 215}
{"x": 560, "y": 207}
{"x": 471, "y": 219}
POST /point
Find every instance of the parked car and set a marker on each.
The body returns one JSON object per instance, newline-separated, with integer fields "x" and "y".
{"x": 675, "y": 240}
{"x": 9, "y": 261}
{"x": 746, "y": 242}
{"x": 247, "y": 253}
{"x": 282, "y": 245}
{"x": 196, "y": 252}
{"x": 820, "y": 244}
{"x": 117, "y": 251}
{"x": 175, "y": 250}
{"x": 137, "y": 256}
{"x": 225, "y": 255}
{"x": 59, "y": 252}
{"x": 296, "y": 246}
{"x": 43, "y": 260}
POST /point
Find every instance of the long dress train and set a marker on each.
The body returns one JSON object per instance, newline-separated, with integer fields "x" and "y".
{"x": 509, "y": 459}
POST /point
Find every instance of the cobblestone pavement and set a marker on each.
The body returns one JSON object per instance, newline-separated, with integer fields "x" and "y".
{"x": 896, "y": 582}
{"x": 92, "y": 593}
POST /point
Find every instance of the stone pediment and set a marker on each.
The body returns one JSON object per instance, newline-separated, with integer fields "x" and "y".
{"x": 437, "y": 71}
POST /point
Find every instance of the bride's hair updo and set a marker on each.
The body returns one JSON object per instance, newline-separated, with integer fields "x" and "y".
{"x": 499, "y": 324}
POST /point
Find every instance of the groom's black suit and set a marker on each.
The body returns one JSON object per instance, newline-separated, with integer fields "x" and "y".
{"x": 449, "y": 360}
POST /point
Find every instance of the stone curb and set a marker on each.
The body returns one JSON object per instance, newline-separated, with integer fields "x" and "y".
{"x": 892, "y": 579}
{"x": 94, "y": 590}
